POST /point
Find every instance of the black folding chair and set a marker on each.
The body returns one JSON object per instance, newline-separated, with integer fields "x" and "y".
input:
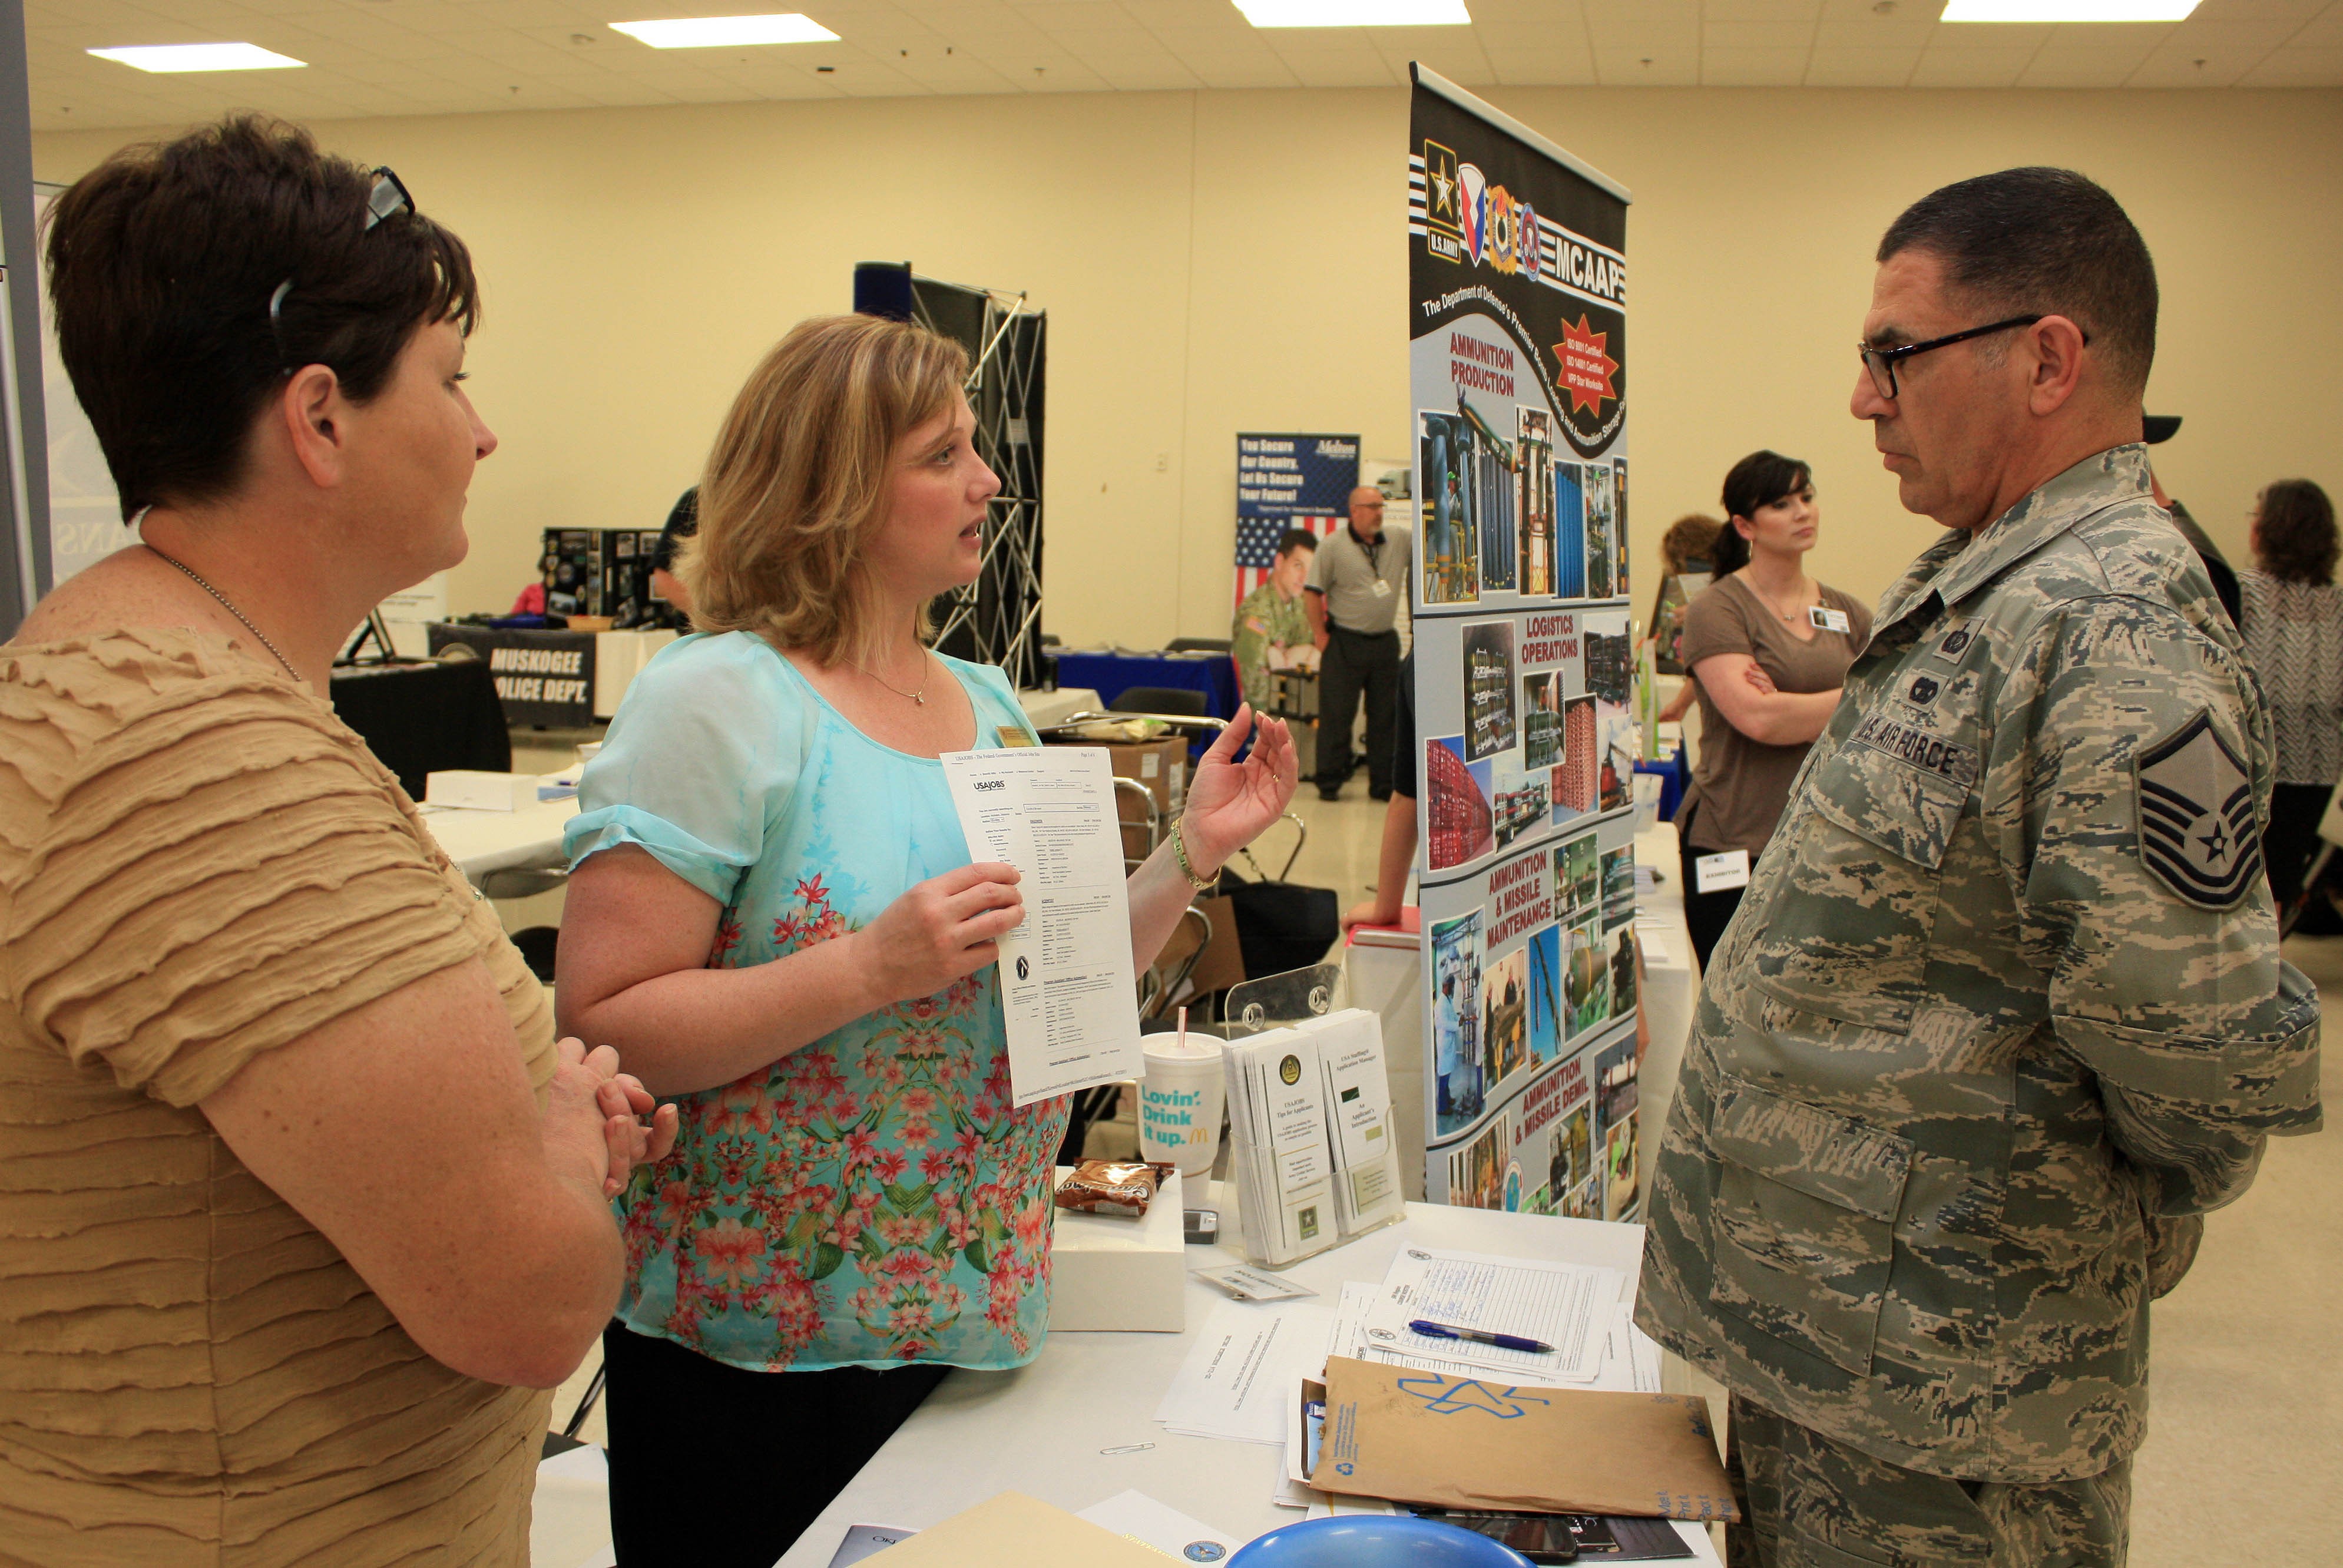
{"x": 1183, "y": 701}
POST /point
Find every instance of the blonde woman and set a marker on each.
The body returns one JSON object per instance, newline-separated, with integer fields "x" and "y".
{"x": 774, "y": 917}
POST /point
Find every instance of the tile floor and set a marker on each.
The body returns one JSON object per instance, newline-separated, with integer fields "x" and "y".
{"x": 2244, "y": 1461}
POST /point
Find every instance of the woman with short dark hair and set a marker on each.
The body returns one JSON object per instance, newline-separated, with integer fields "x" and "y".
{"x": 2294, "y": 637}
{"x": 1768, "y": 648}
{"x": 304, "y": 1198}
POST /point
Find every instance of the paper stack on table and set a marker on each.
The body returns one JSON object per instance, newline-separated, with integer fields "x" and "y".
{"x": 1566, "y": 1306}
{"x": 1238, "y": 1370}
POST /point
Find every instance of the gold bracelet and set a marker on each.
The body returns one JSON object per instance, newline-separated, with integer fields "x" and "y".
{"x": 1179, "y": 848}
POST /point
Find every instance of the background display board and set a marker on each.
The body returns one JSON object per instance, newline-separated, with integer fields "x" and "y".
{"x": 1525, "y": 660}
{"x": 1286, "y": 481}
{"x": 541, "y": 677}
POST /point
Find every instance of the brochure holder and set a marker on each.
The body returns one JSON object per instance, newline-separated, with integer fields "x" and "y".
{"x": 1311, "y": 1143}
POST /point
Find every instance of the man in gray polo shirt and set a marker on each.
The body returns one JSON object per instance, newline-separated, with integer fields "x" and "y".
{"x": 1352, "y": 596}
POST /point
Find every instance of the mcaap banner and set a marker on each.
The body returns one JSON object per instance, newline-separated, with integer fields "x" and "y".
{"x": 1517, "y": 328}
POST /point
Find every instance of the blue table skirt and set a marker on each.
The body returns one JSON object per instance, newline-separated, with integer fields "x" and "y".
{"x": 1112, "y": 674}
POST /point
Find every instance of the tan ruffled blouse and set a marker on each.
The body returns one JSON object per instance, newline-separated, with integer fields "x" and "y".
{"x": 199, "y": 863}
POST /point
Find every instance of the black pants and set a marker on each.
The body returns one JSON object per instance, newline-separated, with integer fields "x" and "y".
{"x": 1706, "y": 914}
{"x": 1357, "y": 663}
{"x": 2291, "y": 842}
{"x": 715, "y": 1467}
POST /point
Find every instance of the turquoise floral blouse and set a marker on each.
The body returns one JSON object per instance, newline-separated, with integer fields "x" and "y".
{"x": 873, "y": 1197}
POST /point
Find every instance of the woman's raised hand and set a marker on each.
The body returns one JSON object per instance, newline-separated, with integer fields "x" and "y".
{"x": 1230, "y": 802}
{"x": 945, "y": 928}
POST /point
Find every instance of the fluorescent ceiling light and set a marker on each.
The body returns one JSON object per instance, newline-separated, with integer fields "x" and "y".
{"x": 1354, "y": 13}
{"x": 201, "y": 58}
{"x": 716, "y": 32}
{"x": 2040, "y": 11}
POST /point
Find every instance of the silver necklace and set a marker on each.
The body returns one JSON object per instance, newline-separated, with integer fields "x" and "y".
{"x": 231, "y": 609}
{"x": 920, "y": 697}
{"x": 1768, "y": 601}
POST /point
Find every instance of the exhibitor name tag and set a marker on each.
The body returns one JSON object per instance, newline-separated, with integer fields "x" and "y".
{"x": 1720, "y": 873}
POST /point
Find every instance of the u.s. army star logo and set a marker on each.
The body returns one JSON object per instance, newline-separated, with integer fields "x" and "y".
{"x": 2197, "y": 832}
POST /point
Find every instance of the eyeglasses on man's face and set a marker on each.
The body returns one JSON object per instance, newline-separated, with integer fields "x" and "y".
{"x": 1881, "y": 362}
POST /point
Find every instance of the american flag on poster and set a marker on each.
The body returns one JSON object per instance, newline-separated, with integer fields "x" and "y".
{"x": 1257, "y": 545}
{"x": 1288, "y": 481}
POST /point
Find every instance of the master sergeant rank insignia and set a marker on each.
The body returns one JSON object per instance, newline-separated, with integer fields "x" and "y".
{"x": 2197, "y": 830}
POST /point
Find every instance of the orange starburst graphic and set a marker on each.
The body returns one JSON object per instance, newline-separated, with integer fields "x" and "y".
{"x": 1585, "y": 366}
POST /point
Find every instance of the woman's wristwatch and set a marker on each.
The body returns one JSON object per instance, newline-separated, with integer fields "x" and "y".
{"x": 1187, "y": 868}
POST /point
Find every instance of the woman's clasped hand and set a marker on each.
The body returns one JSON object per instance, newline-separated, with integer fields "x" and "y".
{"x": 588, "y": 1088}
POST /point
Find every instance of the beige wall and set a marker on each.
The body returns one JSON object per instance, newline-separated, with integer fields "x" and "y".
{"x": 1220, "y": 261}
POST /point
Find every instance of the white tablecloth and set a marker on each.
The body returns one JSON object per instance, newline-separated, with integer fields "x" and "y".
{"x": 1040, "y": 1430}
{"x": 484, "y": 841}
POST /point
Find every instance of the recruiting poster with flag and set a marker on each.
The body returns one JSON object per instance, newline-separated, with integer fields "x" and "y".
{"x": 1286, "y": 481}
{"x": 1525, "y": 660}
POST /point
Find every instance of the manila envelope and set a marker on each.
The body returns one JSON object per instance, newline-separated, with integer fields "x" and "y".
{"x": 1014, "y": 1530}
{"x": 1472, "y": 1443}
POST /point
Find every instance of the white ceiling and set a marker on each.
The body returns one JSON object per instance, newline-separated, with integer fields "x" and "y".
{"x": 368, "y": 57}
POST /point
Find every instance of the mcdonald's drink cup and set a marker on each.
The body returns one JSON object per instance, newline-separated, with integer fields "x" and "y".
{"x": 1179, "y": 1102}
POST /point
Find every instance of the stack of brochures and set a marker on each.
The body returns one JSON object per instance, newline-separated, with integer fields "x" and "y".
{"x": 1309, "y": 1131}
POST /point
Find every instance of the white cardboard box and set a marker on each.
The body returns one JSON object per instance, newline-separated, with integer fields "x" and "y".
{"x": 1110, "y": 1272}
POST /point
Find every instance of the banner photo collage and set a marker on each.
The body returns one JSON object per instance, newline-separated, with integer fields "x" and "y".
{"x": 1524, "y": 664}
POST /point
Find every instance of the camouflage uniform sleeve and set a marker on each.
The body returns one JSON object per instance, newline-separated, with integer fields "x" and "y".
{"x": 1249, "y": 642}
{"x": 2125, "y": 784}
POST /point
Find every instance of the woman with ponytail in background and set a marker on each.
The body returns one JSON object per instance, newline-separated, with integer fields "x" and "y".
{"x": 1769, "y": 647}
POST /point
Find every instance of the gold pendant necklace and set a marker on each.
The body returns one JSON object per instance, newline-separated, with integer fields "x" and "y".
{"x": 920, "y": 697}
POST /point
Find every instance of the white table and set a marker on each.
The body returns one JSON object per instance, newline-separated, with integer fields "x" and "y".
{"x": 1040, "y": 1430}
{"x": 484, "y": 841}
{"x": 1048, "y": 707}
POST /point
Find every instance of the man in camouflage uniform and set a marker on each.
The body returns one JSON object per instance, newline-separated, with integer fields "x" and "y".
{"x": 1272, "y": 617}
{"x": 2003, "y": 1010}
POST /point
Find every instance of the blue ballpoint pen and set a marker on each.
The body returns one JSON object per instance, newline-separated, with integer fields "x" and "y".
{"x": 1479, "y": 1337}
